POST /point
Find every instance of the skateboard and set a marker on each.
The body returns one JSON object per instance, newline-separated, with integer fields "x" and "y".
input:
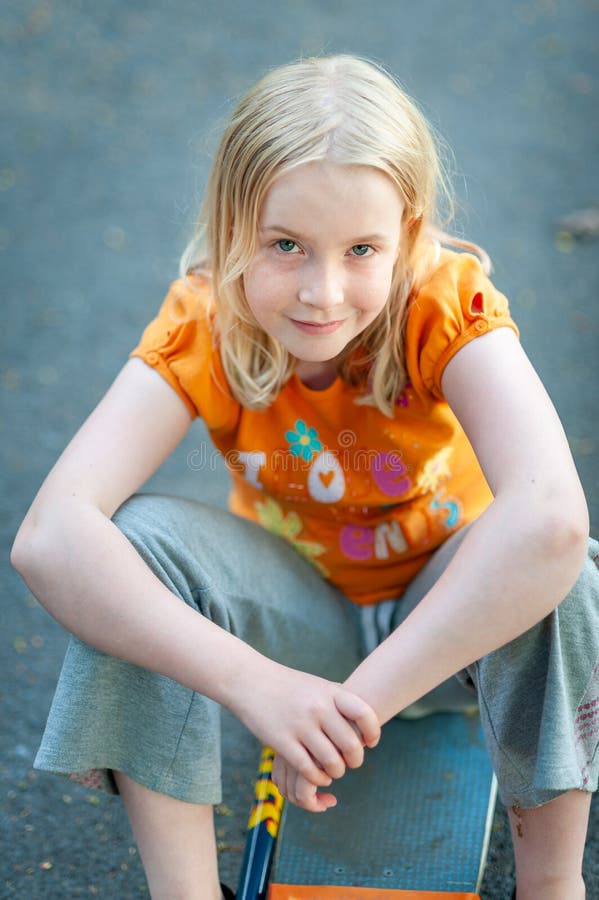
{"x": 413, "y": 823}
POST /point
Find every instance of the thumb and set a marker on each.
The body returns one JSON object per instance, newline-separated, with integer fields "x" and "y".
{"x": 361, "y": 715}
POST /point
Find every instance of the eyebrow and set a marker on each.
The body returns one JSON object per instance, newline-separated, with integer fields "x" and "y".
{"x": 375, "y": 238}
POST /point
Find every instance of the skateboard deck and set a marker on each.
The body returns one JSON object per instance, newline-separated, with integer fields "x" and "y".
{"x": 413, "y": 822}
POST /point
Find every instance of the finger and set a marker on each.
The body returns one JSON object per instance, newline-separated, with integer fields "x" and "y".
{"x": 290, "y": 794}
{"x": 304, "y": 792}
{"x": 358, "y": 711}
{"x": 326, "y": 755}
{"x": 287, "y": 777}
{"x": 348, "y": 741}
{"x": 279, "y": 775}
{"x": 308, "y": 798}
{"x": 303, "y": 761}
{"x": 324, "y": 801}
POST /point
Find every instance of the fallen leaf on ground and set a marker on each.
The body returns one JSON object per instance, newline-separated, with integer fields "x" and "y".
{"x": 581, "y": 223}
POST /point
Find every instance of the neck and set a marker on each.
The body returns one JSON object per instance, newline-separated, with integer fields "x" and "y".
{"x": 317, "y": 375}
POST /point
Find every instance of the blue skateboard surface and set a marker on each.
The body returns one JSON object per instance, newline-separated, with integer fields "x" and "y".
{"x": 415, "y": 816}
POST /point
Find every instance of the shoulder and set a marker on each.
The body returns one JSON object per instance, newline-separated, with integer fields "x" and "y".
{"x": 180, "y": 344}
{"x": 455, "y": 303}
{"x": 188, "y": 299}
{"x": 185, "y": 315}
{"x": 452, "y": 275}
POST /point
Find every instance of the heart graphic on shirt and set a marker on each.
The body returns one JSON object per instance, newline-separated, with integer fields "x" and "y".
{"x": 326, "y": 477}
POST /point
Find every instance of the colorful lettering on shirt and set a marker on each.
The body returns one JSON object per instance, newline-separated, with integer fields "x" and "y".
{"x": 452, "y": 508}
{"x": 363, "y": 543}
{"x": 252, "y": 461}
{"x": 388, "y": 472}
{"x": 388, "y": 534}
{"x": 356, "y": 542}
{"x": 416, "y": 531}
{"x": 417, "y": 527}
{"x": 326, "y": 483}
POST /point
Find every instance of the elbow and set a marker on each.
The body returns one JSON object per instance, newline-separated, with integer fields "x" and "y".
{"x": 22, "y": 551}
{"x": 565, "y": 535}
{"x": 29, "y": 546}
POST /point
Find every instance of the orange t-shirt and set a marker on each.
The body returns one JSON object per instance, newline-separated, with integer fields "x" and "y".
{"x": 364, "y": 497}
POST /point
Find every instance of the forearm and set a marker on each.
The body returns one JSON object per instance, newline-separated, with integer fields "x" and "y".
{"x": 507, "y": 575}
{"x": 90, "y": 578}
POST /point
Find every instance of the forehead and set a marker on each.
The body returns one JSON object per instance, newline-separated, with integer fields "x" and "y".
{"x": 330, "y": 193}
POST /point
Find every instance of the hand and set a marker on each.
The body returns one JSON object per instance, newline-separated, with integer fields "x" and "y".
{"x": 318, "y": 727}
{"x": 299, "y": 790}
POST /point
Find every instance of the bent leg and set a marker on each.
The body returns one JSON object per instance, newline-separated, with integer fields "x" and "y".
{"x": 109, "y": 714}
{"x": 118, "y": 726}
{"x": 539, "y": 702}
{"x": 549, "y": 845}
{"x": 176, "y": 843}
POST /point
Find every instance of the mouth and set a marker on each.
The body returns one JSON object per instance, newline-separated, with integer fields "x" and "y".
{"x": 318, "y": 327}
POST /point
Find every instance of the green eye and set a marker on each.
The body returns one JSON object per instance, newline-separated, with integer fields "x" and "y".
{"x": 286, "y": 246}
{"x": 360, "y": 249}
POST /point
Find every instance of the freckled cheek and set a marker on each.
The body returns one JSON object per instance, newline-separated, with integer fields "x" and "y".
{"x": 372, "y": 297}
{"x": 264, "y": 294}
{"x": 255, "y": 282}
{"x": 253, "y": 278}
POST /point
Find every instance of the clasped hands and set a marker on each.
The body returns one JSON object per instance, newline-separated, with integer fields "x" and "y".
{"x": 354, "y": 727}
{"x": 317, "y": 728}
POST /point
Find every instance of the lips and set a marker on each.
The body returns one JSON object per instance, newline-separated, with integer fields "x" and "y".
{"x": 318, "y": 327}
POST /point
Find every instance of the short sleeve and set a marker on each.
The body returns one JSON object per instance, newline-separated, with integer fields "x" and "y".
{"x": 179, "y": 345}
{"x": 457, "y": 304}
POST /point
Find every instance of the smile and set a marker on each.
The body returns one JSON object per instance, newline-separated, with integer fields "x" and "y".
{"x": 316, "y": 327}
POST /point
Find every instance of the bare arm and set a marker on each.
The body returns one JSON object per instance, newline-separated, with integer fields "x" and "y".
{"x": 519, "y": 559}
{"x": 73, "y": 558}
{"x": 90, "y": 578}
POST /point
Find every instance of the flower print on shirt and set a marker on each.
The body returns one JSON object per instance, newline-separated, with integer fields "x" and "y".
{"x": 303, "y": 441}
{"x": 435, "y": 470}
{"x": 404, "y": 397}
{"x": 272, "y": 517}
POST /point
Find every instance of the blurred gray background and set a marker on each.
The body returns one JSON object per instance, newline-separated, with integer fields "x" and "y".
{"x": 110, "y": 112}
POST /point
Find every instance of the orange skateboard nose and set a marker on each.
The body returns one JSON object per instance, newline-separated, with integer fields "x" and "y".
{"x": 320, "y": 892}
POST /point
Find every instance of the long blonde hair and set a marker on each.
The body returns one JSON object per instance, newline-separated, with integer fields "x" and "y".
{"x": 342, "y": 109}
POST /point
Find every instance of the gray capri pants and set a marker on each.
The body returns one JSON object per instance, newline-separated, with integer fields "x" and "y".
{"x": 538, "y": 695}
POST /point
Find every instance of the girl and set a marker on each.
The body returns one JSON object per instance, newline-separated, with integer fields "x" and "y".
{"x": 359, "y": 380}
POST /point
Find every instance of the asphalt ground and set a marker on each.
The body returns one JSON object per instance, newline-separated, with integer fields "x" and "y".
{"x": 109, "y": 114}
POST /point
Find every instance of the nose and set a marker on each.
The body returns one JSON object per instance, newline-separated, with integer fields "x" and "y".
{"x": 321, "y": 287}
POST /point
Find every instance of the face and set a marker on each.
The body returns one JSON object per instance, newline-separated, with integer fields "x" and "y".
{"x": 328, "y": 238}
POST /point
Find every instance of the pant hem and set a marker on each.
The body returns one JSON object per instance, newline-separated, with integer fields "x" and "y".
{"x": 189, "y": 792}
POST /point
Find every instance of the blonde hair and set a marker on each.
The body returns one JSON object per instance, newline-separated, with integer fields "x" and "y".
{"x": 345, "y": 110}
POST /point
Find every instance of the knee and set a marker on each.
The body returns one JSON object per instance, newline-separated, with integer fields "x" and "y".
{"x": 148, "y": 523}
{"x": 164, "y": 531}
{"x": 142, "y": 518}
